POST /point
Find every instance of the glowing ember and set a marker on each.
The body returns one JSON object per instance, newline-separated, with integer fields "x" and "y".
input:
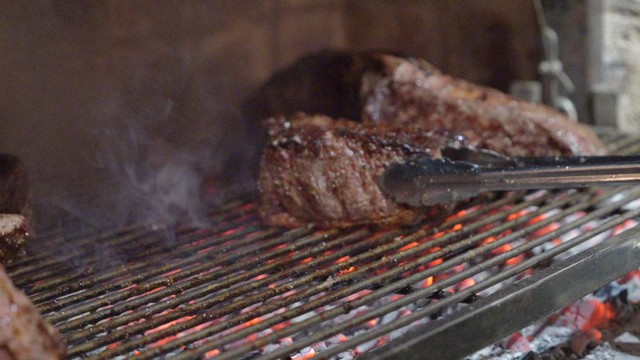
{"x": 308, "y": 355}
{"x": 260, "y": 277}
{"x": 466, "y": 283}
{"x": 409, "y": 246}
{"x": 212, "y": 353}
{"x": 630, "y": 276}
{"x": 516, "y": 215}
{"x": 601, "y": 315}
{"x": 346, "y": 271}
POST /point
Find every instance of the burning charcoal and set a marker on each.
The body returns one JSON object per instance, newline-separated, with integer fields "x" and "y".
{"x": 13, "y": 235}
{"x": 389, "y": 317}
{"x": 270, "y": 348}
{"x": 583, "y": 340}
{"x": 15, "y": 197}
{"x": 305, "y": 353}
{"x": 23, "y": 333}
{"x": 362, "y": 348}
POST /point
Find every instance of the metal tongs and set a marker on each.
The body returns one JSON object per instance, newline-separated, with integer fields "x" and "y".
{"x": 463, "y": 173}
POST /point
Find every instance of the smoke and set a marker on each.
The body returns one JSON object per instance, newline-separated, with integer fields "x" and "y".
{"x": 153, "y": 181}
{"x": 175, "y": 138}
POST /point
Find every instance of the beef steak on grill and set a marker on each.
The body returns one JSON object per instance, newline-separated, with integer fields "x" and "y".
{"x": 13, "y": 236}
{"x": 373, "y": 86}
{"x": 15, "y": 196}
{"x": 411, "y": 91}
{"x": 24, "y": 335}
{"x": 317, "y": 169}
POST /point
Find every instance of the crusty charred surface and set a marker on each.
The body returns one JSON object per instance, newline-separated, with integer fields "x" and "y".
{"x": 13, "y": 237}
{"x": 15, "y": 197}
{"x": 24, "y": 335}
{"x": 408, "y": 91}
{"x": 316, "y": 169}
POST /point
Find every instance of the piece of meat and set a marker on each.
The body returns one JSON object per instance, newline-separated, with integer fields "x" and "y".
{"x": 317, "y": 169}
{"x": 411, "y": 91}
{"x": 375, "y": 86}
{"x": 326, "y": 82}
{"x": 24, "y": 334}
{"x": 15, "y": 197}
{"x": 13, "y": 236}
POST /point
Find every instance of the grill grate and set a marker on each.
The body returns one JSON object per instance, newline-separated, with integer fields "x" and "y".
{"x": 239, "y": 290}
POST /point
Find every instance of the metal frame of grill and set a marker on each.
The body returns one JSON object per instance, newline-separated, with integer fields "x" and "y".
{"x": 234, "y": 288}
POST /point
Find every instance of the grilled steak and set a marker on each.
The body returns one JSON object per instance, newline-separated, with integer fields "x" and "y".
{"x": 24, "y": 335}
{"x": 381, "y": 88}
{"x": 402, "y": 91}
{"x": 13, "y": 235}
{"x": 317, "y": 169}
{"x": 14, "y": 187}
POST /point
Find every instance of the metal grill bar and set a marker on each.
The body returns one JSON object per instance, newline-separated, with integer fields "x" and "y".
{"x": 616, "y": 258}
{"x": 234, "y": 288}
{"x": 410, "y": 298}
{"x": 379, "y": 250}
{"x": 115, "y": 238}
{"x": 505, "y": 275}
{"x": 308, "y": 292}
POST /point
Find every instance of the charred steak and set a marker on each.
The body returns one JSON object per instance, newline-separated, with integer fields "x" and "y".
{"x": 410, "y": 91}
{"x": 14, "y": 187}
{"x": 24, "y": 335}
{"x": 326, "y": 171}
{"x": 13, "y": 235}
{"x": 317, "y": 169}
{"x": 378, "y": 87}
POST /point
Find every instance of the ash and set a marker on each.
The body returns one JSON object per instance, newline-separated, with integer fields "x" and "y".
{"x": 562, "y": 326}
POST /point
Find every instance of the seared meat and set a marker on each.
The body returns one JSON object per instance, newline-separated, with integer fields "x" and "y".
{"x": 381, "y": 88}
{"x": 14, "y": 187}
{"x": 13, "y": 235}
{"x": 409, "y": 91}
{"x": 24, "y": 335}
{"x": 317, "y": 169}
{"x": 326, "y": 171}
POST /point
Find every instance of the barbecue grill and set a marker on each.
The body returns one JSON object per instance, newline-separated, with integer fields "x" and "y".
{"x": 234, "y": 290}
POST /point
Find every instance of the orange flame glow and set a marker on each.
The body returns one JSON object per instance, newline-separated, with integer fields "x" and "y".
{"x": 409, "y": 246}
{"x": 346, "y": 271}
{"x": 212, "y": 353}
{"x": 466, "y": 283}
{"x": 516, "y": 215}
{"x": 309, "y": 355}
{"x": 630, "y": 276}
{"x": 602, "y": 314}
